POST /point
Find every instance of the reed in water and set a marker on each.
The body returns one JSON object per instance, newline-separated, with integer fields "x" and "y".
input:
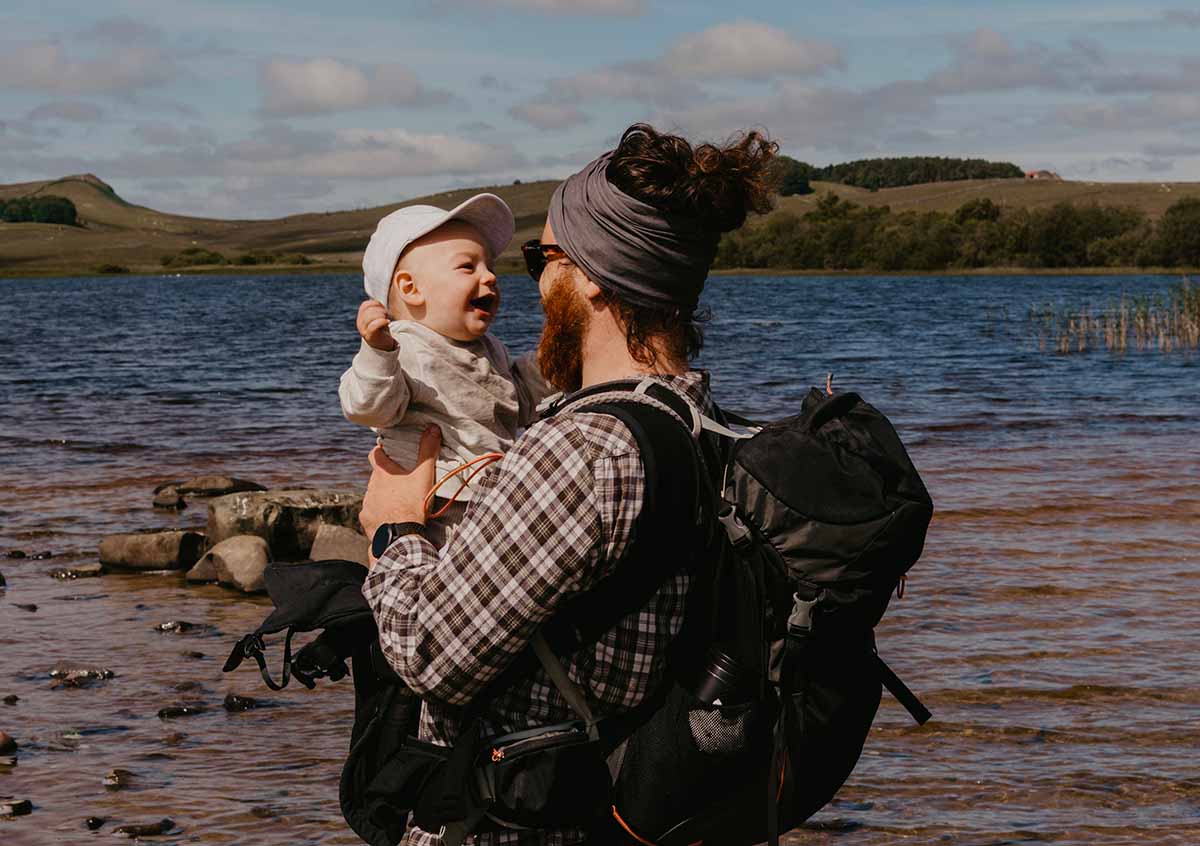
{"x": 1144, "y": 323}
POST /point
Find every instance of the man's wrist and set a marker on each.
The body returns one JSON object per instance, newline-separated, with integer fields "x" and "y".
{"x": 388, "y": 533}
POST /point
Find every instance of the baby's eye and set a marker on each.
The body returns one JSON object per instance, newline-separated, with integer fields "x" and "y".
{"x": 466, "y": 266}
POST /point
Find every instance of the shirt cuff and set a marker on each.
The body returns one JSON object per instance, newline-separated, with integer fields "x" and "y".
{"x": 379, "y": 363}
{"x": 406, "y": 553}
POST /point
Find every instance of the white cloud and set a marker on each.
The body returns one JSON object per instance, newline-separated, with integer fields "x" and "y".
{"x": 748, "y": 50}
{"x": 72, "y": 110}
{"x": 48, "y": 66}
{"x": 549, "y": 115}
{"x": 323, "y": 85}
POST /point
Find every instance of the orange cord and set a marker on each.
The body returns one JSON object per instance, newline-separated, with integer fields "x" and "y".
{"x": 484, "y": 460}
{"x": 629, "y": 830}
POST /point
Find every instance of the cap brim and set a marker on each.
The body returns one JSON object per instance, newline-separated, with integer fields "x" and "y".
{"x": 491, "y": 216}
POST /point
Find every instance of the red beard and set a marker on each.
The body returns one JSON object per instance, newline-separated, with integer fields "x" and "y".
{"x": 560, "y": 351}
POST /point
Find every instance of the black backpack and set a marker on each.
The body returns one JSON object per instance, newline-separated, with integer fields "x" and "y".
{"x": 797, "y": 537}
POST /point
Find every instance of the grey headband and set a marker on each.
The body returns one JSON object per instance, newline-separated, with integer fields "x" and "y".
{"x": 639, "y": 252}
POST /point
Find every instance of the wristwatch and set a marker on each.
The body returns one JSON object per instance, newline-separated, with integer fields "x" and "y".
{"x": 386, "y": 534}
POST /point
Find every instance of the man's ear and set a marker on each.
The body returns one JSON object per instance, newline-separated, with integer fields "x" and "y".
{"x": 591, "y": 290}
{"x": 404, "y": 285}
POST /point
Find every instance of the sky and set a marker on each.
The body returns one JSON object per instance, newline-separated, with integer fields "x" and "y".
{"x": 239, "y": 109}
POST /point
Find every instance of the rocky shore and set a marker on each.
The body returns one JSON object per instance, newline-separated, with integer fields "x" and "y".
{"x": 247, "y": 528}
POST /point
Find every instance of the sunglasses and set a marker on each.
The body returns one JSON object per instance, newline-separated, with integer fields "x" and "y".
{"x": 538, "y": 255}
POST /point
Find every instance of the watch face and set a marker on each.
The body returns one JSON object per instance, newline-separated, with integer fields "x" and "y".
{"x": 382, "y": 540}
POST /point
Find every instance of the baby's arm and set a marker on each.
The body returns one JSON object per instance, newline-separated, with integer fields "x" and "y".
{"x": 374, "y": 391}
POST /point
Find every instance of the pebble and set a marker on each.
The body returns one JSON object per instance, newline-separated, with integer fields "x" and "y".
{"x": 93, "y": 823}
{"x": 16, "y": 553}
{"x": 8, "y": 746}
{"x": 117, "y": 778}
{"x": 235, "y": 703}
{"x": 173, "y": 711}
{"x": 15, "y": 807}
{"x": 83, "y": 571}
{"x": 146, "y": 829}
{"x": 29, "y": 606}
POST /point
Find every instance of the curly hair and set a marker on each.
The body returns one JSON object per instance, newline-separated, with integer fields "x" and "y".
{"x": 716, "y": 185}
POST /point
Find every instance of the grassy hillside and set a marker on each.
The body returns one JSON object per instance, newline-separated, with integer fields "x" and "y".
{"x": 115, "y": 232}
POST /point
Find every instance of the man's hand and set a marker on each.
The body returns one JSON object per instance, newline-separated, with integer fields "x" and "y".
{"x": 372, "y": 325}
{"x": 396, "y": 495}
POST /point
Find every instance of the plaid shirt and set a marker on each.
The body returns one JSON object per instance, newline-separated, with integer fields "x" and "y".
{"x": 548, "y": 521}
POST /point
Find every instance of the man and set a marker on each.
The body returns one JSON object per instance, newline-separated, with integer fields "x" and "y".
{"x": 627, "y": 246}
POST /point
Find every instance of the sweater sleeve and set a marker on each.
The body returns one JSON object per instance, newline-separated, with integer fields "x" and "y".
{"x": 374, "y": 391}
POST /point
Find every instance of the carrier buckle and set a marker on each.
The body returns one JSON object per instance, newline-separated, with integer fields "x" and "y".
{"x": 735, "y": 528}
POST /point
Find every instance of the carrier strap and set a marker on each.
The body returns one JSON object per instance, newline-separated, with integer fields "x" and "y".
{"x": 903, "y": 695}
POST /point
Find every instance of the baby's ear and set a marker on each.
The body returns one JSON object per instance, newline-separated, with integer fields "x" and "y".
{"x": 405, "y": 287}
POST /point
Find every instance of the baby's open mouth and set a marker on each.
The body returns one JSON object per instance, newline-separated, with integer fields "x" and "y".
{"x": 484, "y": 302}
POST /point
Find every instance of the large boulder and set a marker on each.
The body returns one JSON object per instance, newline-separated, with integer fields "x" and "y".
{"x": 287, "y": 520}
{"x": 215, "y": 485}
{"x": 338, "y": 542}
{"x": 240, "y": 562}
{"x": 170, "y": 549}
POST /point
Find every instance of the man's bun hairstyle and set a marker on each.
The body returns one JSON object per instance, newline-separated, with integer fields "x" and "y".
{"x": 718, "y": 186}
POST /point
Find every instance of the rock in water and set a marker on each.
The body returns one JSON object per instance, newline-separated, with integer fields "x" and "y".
{"x": 8, "y": 746}
{"x": 216, "y": 485}
{"x": 11, "y": 699}
{"x": 182, "y": 627}
{"x": 235, "y": 703}
{"x": 15, "y": 807}
{"x": 172, "y": 549}
{"x": 118, "y": 779}
{"x": 170, "y": 500}
{"x": 146, "y": 829}
{"x": 338, "y": 542}
{"x": 95, "y": 823}
{"x": 240, "y": 562}
{"x": 83, "y": 571}
{"x": 31, "y": 607}
{"x": 3, "y": 583}
{"x": 16, "y": 553}
{"x": 173, "y": 711}
{"x": 204, "y": 571}
{"x": 79, "y": 677}
{"x": 287, "y": 520}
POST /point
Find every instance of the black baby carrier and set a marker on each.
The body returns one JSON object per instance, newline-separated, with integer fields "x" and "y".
{"x": 796, "y": 534}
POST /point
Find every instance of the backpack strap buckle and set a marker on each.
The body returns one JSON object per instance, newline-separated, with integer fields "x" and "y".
{"x": 739, "y": 534}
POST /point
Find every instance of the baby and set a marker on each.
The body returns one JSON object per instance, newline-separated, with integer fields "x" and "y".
{"x": 426, "y": 355}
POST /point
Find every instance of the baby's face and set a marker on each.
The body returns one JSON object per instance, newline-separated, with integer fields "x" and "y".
{"x": 450, "y": 267}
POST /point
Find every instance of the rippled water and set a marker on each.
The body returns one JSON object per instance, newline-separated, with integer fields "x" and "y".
{"x": 1050, "y": 626}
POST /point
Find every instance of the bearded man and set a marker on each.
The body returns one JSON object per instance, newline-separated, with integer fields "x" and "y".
{"x": 626, "y": 249}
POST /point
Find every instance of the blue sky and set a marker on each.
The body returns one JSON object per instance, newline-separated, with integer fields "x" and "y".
{"x": 258, "y": 109}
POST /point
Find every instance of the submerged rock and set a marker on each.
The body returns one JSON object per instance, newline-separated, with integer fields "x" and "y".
{"x": 146, "y": 829}
{"x": 338, "y": 542}
{"x": 287, "y": 520}
{"x": 31, "y": 607}
{"x": 118, "y": 779}
{"x": 63, "y": 671}
{"x": 191, "y": 653}
{"x": 80, "y": 678}
{"x": 182, "y": 627}
{"x": 11, "y": 699}
{"x": 216, "y": 485}
{"x": 95, "y": 823}
{"x": 171, "y": 549}
{"x": 235, "y": 703}
{"x": 16, "y": 553}
{"x": 3, "y": 583}
{"x": 42, "y": 556}
{"x": 83, "y": 571}
{"x": 170, "y": 500}
{"x": 173, "y": 711}
{"x": 8, "y": 746}
{"x": 241, "y": 561}
{"x": 15, "y": 807}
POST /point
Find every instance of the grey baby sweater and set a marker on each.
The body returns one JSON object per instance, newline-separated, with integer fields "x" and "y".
{"x": 473, "y": 390}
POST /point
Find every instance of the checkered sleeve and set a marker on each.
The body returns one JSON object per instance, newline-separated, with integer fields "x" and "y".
{"x": 552, "y": 514}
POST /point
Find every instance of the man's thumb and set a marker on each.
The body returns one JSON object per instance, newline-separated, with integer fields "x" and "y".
{"x": 431, "y": 444}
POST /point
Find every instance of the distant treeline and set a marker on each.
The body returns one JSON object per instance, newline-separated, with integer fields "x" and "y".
{"x": 793, "y": 176}
{"x": 842, "y": 235}
{"x": 47, "y": 209}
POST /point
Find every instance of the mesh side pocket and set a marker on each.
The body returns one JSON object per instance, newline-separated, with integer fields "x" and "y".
{"x": 687, "y": 759}
{"x": 720, "y": 731}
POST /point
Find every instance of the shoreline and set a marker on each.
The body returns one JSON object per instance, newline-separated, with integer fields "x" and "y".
{"x": 516, "y": 270}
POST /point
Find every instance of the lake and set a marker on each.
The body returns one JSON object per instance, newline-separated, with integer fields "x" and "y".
{"x": 1050, "y": 625}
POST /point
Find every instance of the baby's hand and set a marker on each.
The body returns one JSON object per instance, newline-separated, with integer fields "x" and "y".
{"x": 372, "y": 325}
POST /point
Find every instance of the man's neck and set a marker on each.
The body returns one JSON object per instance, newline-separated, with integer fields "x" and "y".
{"x": 606, "y": 358}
